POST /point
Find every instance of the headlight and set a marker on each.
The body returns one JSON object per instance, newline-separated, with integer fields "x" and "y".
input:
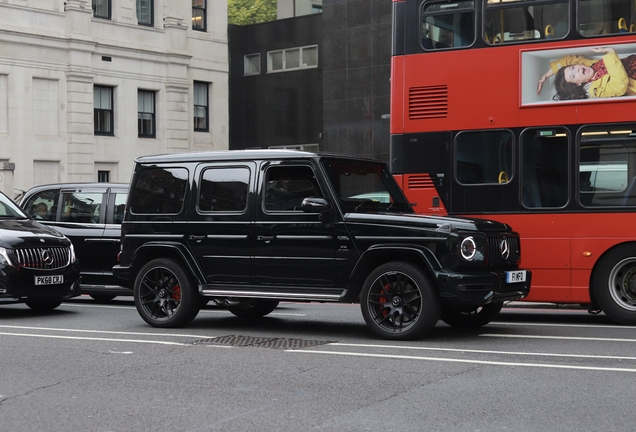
{"x": 73, "y": 258}
{"x": 4, "y": 257}
{"x": 468, "y": 248}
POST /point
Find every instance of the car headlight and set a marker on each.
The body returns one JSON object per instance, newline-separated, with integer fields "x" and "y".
{"x": 4, "y": 257}
{"x": 468, "y": 248}
{"x": 73, "y": 257}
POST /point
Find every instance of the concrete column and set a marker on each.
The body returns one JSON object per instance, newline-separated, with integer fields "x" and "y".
{"x": 6, "y": 178}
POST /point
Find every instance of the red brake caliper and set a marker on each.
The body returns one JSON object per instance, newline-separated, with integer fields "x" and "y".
{"x": 383, "y": 300}
{"x": 176, "y": 293}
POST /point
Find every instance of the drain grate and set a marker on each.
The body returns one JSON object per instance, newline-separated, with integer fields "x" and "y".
{"x": 249, "y": 341}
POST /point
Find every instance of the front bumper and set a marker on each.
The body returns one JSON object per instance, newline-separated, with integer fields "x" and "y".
{"x": 19, "y": 283}
{"x": 470, "y": 290}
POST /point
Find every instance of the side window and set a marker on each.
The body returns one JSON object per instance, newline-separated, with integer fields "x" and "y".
{"x": 119, "y": 207}
{"x": 522, "y": 20}
{"x": 447, "y": 25}
{"x": 483, "y": 157}
{"x": 81, "y": 207}
{"x": 544, "y": 167}
{"x": 286, "y": 187}
{"x": 607, "y": 170}
{"x": 224, "y": 189}
{"x": 603, "y": 17}
{"x": 159, "y": 191}
{"x": 43, "y": 205}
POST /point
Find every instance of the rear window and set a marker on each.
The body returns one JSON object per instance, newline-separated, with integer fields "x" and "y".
{"x": 159, "y": 191}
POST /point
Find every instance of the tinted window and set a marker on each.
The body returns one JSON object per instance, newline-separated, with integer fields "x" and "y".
{"x": 448, "y": 25}
{"x": 159, "y": 191}
{"x": 484, "y": 157}
{"x": 224, "y": 190}
{"x": 286, "y": 187}
{"x": 43, "y": 205}
{"x": 81, "y": 207}
{"x": 120, "y": 207}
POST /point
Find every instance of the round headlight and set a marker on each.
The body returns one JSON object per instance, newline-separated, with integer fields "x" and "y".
{"x": 468, "y": 248}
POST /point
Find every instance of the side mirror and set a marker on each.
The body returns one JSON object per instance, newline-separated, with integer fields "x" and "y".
{"x": 315, "y": 205}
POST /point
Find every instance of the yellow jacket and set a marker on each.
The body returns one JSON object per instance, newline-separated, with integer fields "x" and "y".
{"x": 614, "y": 83}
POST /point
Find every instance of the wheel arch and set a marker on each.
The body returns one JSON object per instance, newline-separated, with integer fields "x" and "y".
{"x": 176, "y": 251}
{"x": 380, "y": 254}
{"x": 597, "y": 266}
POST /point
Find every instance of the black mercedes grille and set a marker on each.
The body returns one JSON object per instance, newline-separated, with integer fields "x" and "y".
{"x": 46, "y": 258}
{"x": 495, "y": 250}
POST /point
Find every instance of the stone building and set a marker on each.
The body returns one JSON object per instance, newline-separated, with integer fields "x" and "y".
{"x": 88, "y": 86}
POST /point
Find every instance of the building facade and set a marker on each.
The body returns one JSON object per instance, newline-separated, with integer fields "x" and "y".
{"x": 88, "y": 86}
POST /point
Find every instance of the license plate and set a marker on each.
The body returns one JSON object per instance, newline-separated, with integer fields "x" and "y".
{"x": 515, "y": 276}
{"x": 49, "y": 280}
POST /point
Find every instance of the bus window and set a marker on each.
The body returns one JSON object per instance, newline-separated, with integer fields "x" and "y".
{"x": 484, "y": 157}
{"x": 447, "y": 24}
{"x": 513, "y": 21}
{"x": 601, "y": 17}
{"x": 544, "y": 168}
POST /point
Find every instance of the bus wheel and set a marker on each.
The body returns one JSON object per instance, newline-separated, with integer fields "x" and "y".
{"x": 398, "y": 302}
{"x": 165, "y": 295}
{"x": 253, "y": 308}
{"x": 473, "y": 319}
{"x": 614, "y": 285}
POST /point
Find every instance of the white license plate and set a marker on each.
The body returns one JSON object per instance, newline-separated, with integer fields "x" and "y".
{"x": 515, "y": 276}
{"x": 49, "y": 280}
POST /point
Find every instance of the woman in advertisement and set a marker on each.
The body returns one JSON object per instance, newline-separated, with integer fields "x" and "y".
{"x": 577, "y": 77}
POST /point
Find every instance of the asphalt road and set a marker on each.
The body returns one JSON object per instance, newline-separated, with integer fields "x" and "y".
{"x": 99, "y": 367}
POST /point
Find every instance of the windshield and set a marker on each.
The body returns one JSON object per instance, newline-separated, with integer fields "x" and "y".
{"x": 365, "y": 186}
{"x": 9, "y": 209}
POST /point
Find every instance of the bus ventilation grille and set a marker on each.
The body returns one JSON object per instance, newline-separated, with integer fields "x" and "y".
{"x": 423, "y": 181}
{"x": 428, "y": 102}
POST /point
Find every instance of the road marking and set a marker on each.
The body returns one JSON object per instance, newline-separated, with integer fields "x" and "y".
{"x": 460, "y": 350}
{"x": 107, "y": 332}
{"x": 603, "y": 326}
{"x": 223, "y": 311}
{"x": 558, "y": 337}
{"x": 94, "y": 339}
{"x": 452, "y": 360}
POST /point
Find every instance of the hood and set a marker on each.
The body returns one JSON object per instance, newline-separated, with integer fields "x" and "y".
{"x": 28, "y": 233}
{"x": 429, "y": 222}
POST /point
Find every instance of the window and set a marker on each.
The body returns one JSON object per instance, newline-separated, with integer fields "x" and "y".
{"x": 43, "y": 205}
{"x": 544, "y": 167}
{"x": 119, "y": 208}
{"x": 519, "y": 20}
{"x": 81, "y": 207}
{"x": 103, "y": 118}
{"x": 198, "y": 15}
{"x": 224, "y": 190}
{"x": 603, "y": 17}
{"x": 101, "y": 9}
{"x": 484, "y": 157}
{"x": 252, "y": 64}
{"x": 103, "y": 176}
{"x": 145, "y": 12}
{"x": 159, "y": 191}
{"x": 146, "y": 114}
{"x": 201, "y": 107}
{"x": 447, "y": 25}
{"x": 607, "y": 168}
{"x": 288, "y": 186}
{"x": 292, "y": 59}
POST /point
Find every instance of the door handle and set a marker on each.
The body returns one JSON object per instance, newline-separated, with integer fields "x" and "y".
{"x": 197, "y": 237}
{"x": 265, "y": 238}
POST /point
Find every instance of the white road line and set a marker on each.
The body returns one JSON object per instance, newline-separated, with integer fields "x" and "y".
{"x": 460, "y": 350}
{"x": 558, "y": 337}
{"x": 452, "y": 360}
{"x": 603, "y": 326}
{"x": 202, "y": 310}
{"x": 107, "y": 332}
{"x": 94, "y": 339}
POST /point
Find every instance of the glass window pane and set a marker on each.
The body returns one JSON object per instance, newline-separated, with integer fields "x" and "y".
{"x": 601, "y": 17}
{"x": 292, "y": 59}
{"x": 310, "y": 56}
{"x": 448, "y": 25}
{"x": 81, "y": 207}
{"x": 224, "y": 190}
{"x": 252, "y": 64}
{"x": 275, "y": 60}
{"x": 159, "y": 191}
{"x": 484, "y": 157}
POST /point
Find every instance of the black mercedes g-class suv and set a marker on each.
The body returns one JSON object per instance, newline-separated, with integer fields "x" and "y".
{"x": 250, "y": 228}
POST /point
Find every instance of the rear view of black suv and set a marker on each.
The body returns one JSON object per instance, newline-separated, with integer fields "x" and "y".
{"x": 247, "y": 229}
{"x": 37, "y": 264}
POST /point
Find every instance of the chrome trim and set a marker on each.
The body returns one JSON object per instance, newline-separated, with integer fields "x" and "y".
{"x": 229, "y": 236}
{"x": 293, "y": 258}
{"x": 227, "y": 256}
{"x": 301, "y": 237}
{"x": 154, "y": 236}
{"x": 391, "y": 238}
{"x": 278, "y": 295}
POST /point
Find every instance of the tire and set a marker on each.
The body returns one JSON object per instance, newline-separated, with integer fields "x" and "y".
{"x": 398, "y": 302}
{"x": 102, "y": 298}
{"x": 253, "y": 308}
{"x": 473, "y": 319}
{"x": 43, "y": 305}
{"x": 614, "y": 284}
{"x": 165, "y": 294}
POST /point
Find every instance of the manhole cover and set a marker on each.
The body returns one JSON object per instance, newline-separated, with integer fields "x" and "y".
{"x": 275, "y": 343}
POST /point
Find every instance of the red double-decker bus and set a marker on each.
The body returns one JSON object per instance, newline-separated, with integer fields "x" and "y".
{"x": 525, "y": 112}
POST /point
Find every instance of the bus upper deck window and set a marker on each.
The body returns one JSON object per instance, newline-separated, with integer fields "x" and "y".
{"x": 602, "y": 17}
{"x": 447, "y": 24}
{"x": 523, "y": 20}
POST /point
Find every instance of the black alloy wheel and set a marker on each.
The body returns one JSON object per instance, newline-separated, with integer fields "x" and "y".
{"x": 614, "y": 284}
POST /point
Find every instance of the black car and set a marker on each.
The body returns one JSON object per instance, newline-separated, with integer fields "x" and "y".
{"x": 90, "y": 215}
{"x": 37, "y": 264}
{"x": 247, "y": 229}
